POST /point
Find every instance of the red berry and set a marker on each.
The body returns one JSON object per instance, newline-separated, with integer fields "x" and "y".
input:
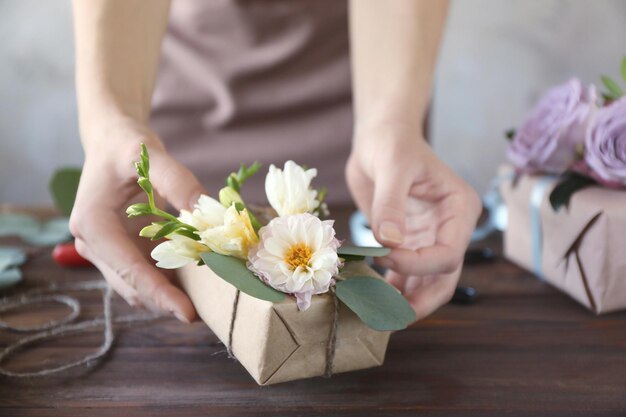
{"x": 65, "y": 254}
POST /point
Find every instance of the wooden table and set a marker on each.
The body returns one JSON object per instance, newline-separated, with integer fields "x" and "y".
{"x": 522, "y": 349}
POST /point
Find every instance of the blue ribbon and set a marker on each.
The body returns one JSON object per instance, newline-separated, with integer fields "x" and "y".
{"x": 536, "y": 197}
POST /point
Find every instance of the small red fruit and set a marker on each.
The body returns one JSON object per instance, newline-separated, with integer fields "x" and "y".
{"x": 65, "y": 254}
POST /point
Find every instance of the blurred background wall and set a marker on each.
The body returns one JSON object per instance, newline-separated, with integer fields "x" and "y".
{"x": 497, "y": 57}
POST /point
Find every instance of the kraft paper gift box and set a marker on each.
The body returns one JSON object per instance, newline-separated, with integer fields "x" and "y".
{"x": 581, "y": 249}
{"x": 276, "y": 342}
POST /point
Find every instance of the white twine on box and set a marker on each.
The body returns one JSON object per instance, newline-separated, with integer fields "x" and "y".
{"x": 63, "y": 326}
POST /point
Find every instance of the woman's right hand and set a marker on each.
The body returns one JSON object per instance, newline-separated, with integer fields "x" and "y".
{"x": 104, "y": 234}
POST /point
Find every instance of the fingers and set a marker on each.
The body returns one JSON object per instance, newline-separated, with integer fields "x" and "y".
{"x": 425, "y": 294}
{"x": 395, "y": 279}
{"x": 427, "y": 298}
{"x": 430, "y": 260}
{"x": 448, "y": 250}
{"x": 174, "y": 181}
{"x": 391, "y": 190}
{"x": 128, "y": 272}
{"x": 128, "y": 293}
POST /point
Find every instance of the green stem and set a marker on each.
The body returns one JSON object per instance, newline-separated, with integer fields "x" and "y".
{"x": 164, "y": 214}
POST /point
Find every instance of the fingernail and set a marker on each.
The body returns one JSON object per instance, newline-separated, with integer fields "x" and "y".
{"x": 181, "y": 317}
{"x": 384, "y": 262}
{"x": 390, "y": 232}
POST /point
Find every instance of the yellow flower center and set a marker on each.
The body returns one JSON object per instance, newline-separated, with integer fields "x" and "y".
{"x": 298, "y": 255}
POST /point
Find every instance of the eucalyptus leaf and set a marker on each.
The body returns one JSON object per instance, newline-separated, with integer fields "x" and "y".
{"x": 352, "y": 258}
{"x": 562, "y": 193}
{"x": 34, "y": 232}
{"x": 14, "y": 224}
{"x": 10, "y": 277}
{"x": 378, "y": 304}
{"x": 363, "y": 251}
{"x": 10, "y": 257}
{"x": 235, "y": 272}
{"x": 614, "y": 89}
{"x": 63, "y": 187}
{"x": 50, "y": 233}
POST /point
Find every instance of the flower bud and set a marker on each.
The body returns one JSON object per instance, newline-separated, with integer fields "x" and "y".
{"x": 228, "y": 196}
{"x": 150, "y": 231}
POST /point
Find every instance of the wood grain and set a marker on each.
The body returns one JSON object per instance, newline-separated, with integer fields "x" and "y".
{"x": 523, "y": 349}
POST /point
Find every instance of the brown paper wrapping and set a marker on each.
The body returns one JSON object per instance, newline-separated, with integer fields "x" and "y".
{"x": 582, "y": 247}
{"x": 276, "y": 342}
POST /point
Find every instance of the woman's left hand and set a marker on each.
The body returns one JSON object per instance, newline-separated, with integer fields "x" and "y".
{"x": 417, "y": 206}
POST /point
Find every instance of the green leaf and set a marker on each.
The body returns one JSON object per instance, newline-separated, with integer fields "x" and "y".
{"x": 232, "y": 182}
{"x": 623, "y": 69}
{"x": 510, "y": 134}
{"x": 352, "y": 258}
{"x": 50, "y": 233}
{"x": 235, "y": 272}
{"x": 167, "y": 229}
{"x": 363, "y": 251}
{"x": 10, "y": 257}
{"x": 138, "y": 209}
{"x": 10, "y": 277}
{"x": 17, "y": 224}
{"x": 378, "y": 304}
{"x": 612, "y": 86}
{"x": 63, "y": 187}
{"x": 561, "y": 194}
{"x": 187, "y": 233}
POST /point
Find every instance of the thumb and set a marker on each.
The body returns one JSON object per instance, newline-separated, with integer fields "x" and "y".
{"x": 391, "y": 190}
{"x": 174, "y": 182}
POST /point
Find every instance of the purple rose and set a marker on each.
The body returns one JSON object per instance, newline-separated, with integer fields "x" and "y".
{"x": 605, "y": 144}
{"x": 547, "y": 140}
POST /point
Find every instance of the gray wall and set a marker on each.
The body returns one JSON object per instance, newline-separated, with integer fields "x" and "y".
{"x": 497, "y": 58}
{"x": 498, "y": 55}
{"x": 38, "y": 127}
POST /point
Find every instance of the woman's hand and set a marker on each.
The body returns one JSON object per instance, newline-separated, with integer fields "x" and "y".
{"x": 417, "y": 206}
{"x": 104, "y": 234}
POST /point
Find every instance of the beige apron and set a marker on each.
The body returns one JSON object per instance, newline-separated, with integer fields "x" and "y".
{"x": 265, "y": 80}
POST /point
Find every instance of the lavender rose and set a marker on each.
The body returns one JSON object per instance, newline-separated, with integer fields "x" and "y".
{"x": 547, "y": 140}
{"x": 605, "y": 144}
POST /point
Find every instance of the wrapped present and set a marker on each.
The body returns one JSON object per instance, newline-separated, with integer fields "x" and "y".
{"x": 579, "y": 249}
{"x": 276, "y": 342}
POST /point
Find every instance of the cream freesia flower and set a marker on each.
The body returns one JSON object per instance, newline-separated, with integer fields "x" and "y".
{"x": 289, "y": 190}
{"x": 207, "y": 213}
{"x": 297, "y": 254}
{"x": 234, "y": 236}
{"x": 177, "y": 252}
{"x": 223, "y": 230}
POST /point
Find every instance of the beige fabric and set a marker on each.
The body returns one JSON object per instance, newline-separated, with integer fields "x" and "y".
{"x": 254, "y": 80}
{"x": 583, "y": 245}
{"x": 277, "y": 342}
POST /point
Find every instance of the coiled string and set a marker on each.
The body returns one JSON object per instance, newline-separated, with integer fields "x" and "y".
{"x": 65, "y": 325}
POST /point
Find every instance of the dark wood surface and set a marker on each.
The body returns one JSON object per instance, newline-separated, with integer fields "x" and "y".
{"x": 523, "y": 349}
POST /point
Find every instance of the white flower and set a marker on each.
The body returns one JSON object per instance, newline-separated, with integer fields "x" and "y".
{"x": 222, "y": 230}
{"x": 297, "y": 254}
{"x": 177, "y": 252}
{"x": 234, "y": 236}
{"x": 208, "y": 212}
{"x": 289, "y": 190}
